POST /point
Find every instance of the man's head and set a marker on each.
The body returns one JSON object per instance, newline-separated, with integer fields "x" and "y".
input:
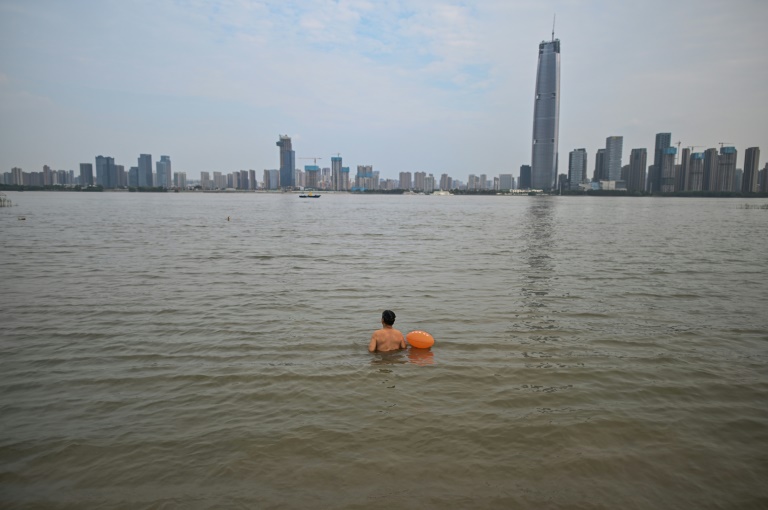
{"x": 388, "y": 317}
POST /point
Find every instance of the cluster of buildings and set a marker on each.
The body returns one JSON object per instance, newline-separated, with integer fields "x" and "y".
{"x": 671, "y": 169}
{"x": 108, "y": 175}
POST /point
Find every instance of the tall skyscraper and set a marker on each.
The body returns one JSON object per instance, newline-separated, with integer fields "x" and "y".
{"x": 525, "y": 177}
{"x": 164, "y": 174}
{"x": 637, "y": 162}
{"x": 86, "y": 174}
{"x": 694, "y": 181}
{"x": 546, "y": 116}
{"x": 682, "y": 178}
{"x": 727, "y": 170}
{"x": 751, "y": 165}
{"x": 600, "y": 174}
{"x": 344, "y": 181}
{"x": 336, "y": 183}
{"x": 106, "y": 173}
{"x": 405, "y": 180}
{"x": 506, "y": 182}
{"x": 287, "y": 162}
{"x": 668, "y": 169}
{"x": 577, "y": 167}
{"x": 145, "y": 171}
{"x": 711, "y": 170}
{"x": 613, "y": 149}
{"x": 312, "y": 176}
{"x": 122, "y": 177}
{"x": 418, "y": 180}
{"x": 17, "y": 176}
{"x": 663, "y": 141}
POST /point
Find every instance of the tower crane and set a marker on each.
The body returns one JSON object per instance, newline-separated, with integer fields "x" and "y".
{"x": 312, "y": 158}
{"x": 724, "y": 143}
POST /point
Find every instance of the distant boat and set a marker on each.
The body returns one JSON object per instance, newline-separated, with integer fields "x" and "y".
{"x": 309, "y": 195}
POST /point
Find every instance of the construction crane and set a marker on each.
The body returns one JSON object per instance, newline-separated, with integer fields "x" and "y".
{"x": 691, "y": 147}
{"x": 312, "y": 158}
{"x": 724, "y": 143}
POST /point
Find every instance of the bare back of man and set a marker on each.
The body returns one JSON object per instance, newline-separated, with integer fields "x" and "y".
{"x": 387, "y": 338}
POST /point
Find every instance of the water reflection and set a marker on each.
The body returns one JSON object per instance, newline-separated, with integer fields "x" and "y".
{"x": 538, "y": 226}
{"x": 421, "y": 357}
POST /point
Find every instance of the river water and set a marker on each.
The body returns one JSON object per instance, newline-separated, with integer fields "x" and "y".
{"x": 591, "y": 352}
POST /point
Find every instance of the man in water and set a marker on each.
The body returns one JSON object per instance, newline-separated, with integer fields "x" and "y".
{"x": 387, "y": 338}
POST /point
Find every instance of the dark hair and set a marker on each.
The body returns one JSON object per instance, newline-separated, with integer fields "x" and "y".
{"x": 388, "y": 316}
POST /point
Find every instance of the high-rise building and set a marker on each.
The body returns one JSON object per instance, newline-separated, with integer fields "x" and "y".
{"x": 637, "y": 162}
{"x": 429, "y": 183}
{"x": 145, "y": 171}
{"x": 577, "y": 167}
{"x": 668, "y": 170}
{"x": 694, "y": 180}
{"x": 17, "y": 176}
{"x": 751, "y": 166}
{"x": 418, "y": 180}
{"x": 737, "y": 178}
{"x": 762, "y": 179}
{"x": 446, "y": 183}
{"x": 681, "y": 184}
{"x": 344, "y": 180}
{"x": 336, "y": 176}
{"x": 287, "y": 162}
{"x": 205, "y": 180}
{"x": 47, "y": 179}
{"x": 613, "y": 150}
{"x": 180, "y": 180}
{"x": 164, "y": 173}
{"x": 366, "y": 178}
{"x": 663, "y": 141}
{"x": 86, "y": 174}
{"x": 106, "y": 173}
{"x": 727, "y": 168}
{"x": 525, "y": 177}
{"x": 506, "y": 182}
{"x": 546, "y": 116}
{"x": 312, "y": 176}
{"x": 271, "y": 179}
{"x": 599, "y": 174}
{"x": 405, "y": 180}
{"x": 133, "y": 176}
{"x": 711, "y": 170}
{"x": 122, "y": 176}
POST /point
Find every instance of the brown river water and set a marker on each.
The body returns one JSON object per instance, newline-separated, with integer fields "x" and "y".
{"x": 594, "y": 353}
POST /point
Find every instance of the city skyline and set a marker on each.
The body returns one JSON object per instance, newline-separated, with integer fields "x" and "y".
{"x": 438, "y": 87}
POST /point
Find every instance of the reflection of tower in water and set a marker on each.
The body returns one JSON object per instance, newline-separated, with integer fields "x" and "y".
{"x": 537, "y": 227}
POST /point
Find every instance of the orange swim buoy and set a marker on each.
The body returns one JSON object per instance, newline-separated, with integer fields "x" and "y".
{"x": 420, "y": 339}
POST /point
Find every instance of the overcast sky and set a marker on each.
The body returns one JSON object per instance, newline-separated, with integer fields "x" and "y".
{"x": 420, "y": 85}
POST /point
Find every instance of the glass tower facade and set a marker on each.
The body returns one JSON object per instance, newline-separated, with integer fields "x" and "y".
{"x": 287, "y": 162}
{"x": 546, "y": 117}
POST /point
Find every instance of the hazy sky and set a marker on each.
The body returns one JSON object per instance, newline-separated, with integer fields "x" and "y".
{"x": 421, "y": 85}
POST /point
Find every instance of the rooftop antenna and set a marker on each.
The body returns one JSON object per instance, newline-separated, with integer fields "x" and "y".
{"x": 554, "y": 17}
